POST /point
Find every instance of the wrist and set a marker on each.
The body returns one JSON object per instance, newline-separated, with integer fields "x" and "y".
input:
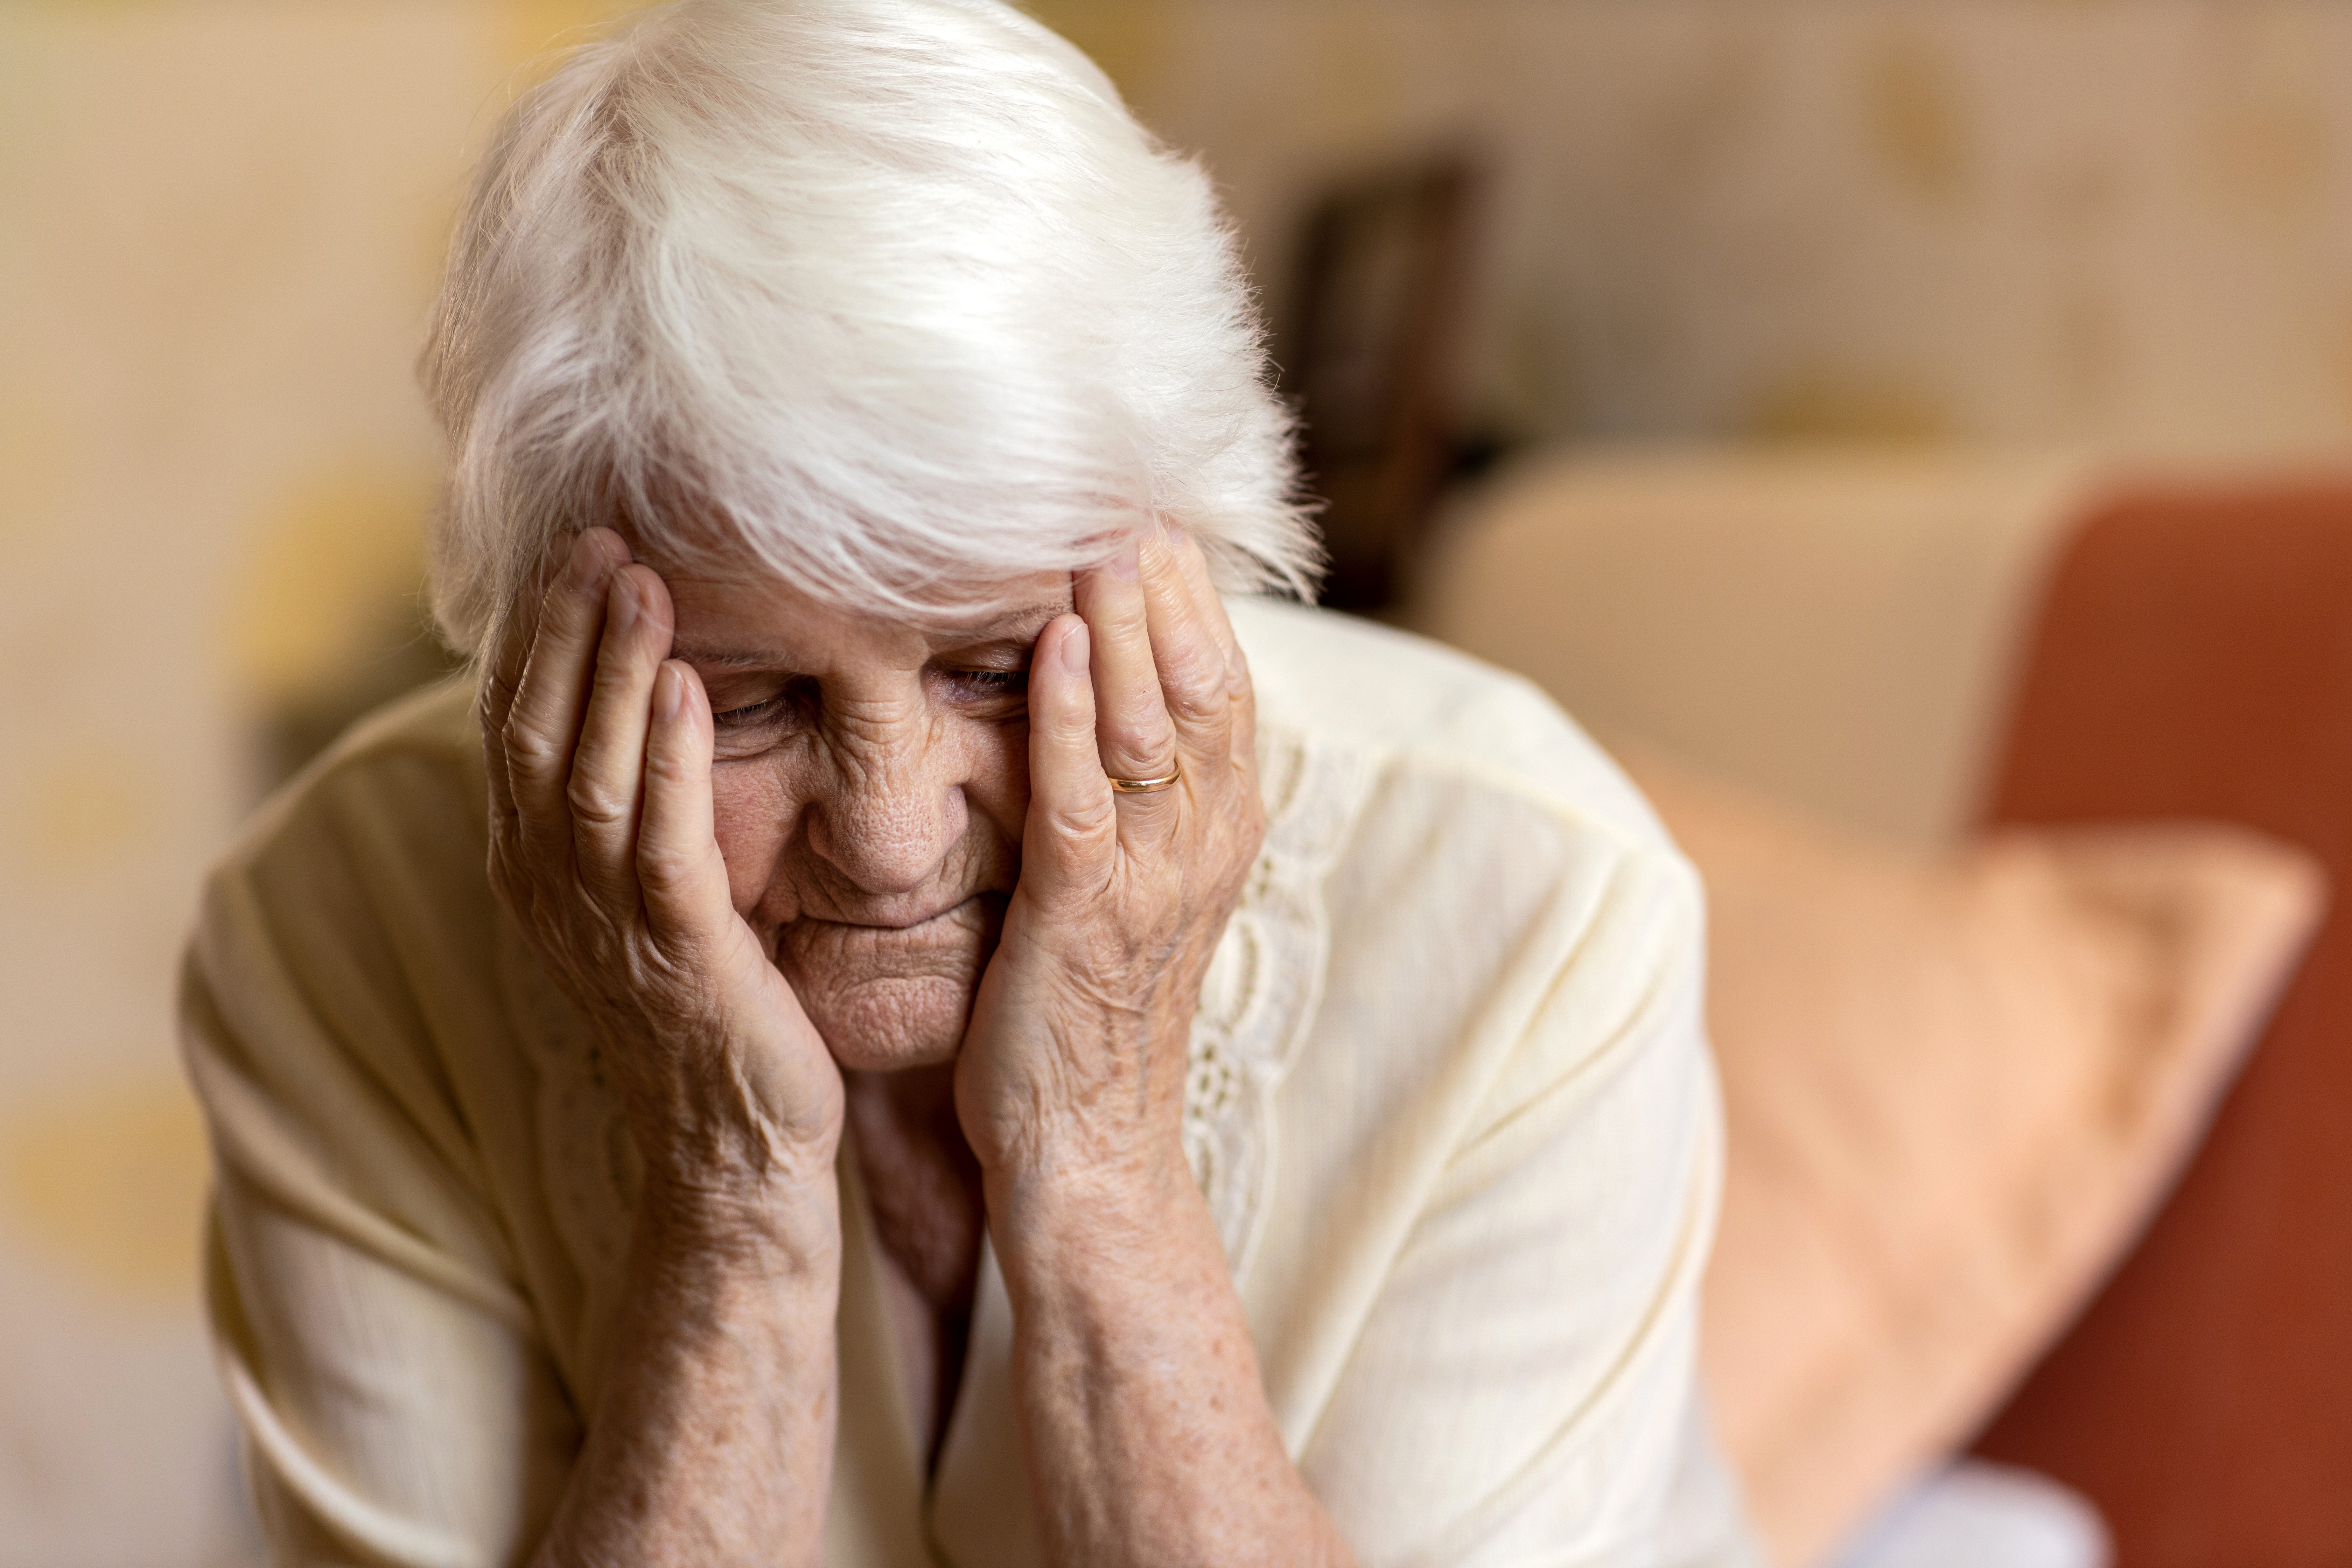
{"x": 720, "y": 1175}
{"x": 1068, "y": 1214}
{"x": 1076, "y": 1160}
{"x": 784, "y": 1227}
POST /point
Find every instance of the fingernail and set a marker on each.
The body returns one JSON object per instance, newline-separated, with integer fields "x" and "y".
{"x": 580, "y": 569}
{"x": 624, "y": 600}
{"x": 1075, "y": 650}
{"x": 1124, "y": 564}
{"x": 669, "y": 691}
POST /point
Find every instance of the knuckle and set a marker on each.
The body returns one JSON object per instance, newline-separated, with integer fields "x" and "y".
{"x": 665, "y": 765}
{"x": 665, "y": 868}
{"x": 1128, "y": 737}
{"x": 1198, "y": 702}
{"x": 527, "y": 743}
{"x": 1084, "y": 823}
{"x": 593, "y": 804}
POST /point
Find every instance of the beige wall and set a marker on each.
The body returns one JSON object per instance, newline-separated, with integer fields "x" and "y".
{"x": 2125, "y": 221}
{"x": 2011, "y": 220}
{"x": 218, "y": 224}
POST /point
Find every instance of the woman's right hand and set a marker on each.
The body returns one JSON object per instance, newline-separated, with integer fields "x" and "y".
{"x": 712, "y": 1438}
{"x": 602, "y": 845}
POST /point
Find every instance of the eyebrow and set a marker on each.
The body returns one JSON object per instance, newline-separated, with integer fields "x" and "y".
{"x": 1017, "y": 624}
{"x": 1020, "y": 624}
{"x": 725, "y": 658}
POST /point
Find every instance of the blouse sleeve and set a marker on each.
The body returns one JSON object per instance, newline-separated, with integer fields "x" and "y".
{"x": 373, "y": 1334}
{"x": 1521, "y": 1389}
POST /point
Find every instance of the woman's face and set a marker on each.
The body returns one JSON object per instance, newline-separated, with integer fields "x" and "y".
{"x": 870, "y": 780}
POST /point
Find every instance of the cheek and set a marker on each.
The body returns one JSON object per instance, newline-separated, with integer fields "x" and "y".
{"x": 997, "y": 787}
{"x": 752, "y": 817}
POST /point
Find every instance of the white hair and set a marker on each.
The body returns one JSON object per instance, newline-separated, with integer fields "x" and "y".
{"x": 895, "y": 292}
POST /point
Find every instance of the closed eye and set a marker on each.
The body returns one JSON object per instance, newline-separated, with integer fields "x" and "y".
{"x": 782, "y": 705}
{"x": 750, "y": 713}
{"x": 992, "y": 682}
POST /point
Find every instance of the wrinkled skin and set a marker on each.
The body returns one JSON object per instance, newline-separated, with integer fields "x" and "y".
{"x": 793, "y": 859}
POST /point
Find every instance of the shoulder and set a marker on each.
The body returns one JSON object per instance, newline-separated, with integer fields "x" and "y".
{"x": 361, "y": 883}
{"x": 1501, "y": 901}
{"x": 410, "y": 770}
{"x": 1414, "y": 707}
{"x": 1496, "y": 1102}
{"x": 379, "y": 842}
{"x": 345, "y": 954}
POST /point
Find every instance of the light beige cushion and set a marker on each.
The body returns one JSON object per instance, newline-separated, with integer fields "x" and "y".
{"x": 1833, "y": 626}
{"x": 1956, "y": 1085}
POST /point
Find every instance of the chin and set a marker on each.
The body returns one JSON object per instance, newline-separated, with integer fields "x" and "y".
{"x": 888, "y": 1026}
{"x": 887, "y": 999}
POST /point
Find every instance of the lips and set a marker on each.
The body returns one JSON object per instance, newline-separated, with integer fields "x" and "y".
{"x": 953, "y": 943}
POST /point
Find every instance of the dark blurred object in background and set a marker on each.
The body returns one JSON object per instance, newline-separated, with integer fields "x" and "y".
{"x": 1371, "y": 357}
{"x": 298, "y": 725}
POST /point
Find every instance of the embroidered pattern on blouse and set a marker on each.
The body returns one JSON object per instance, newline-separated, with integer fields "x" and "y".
{"x": 1264, "y": 982}
{"x": 1257, "y": 1000}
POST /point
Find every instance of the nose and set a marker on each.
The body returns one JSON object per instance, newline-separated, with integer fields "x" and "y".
{"x": 889, "y": 810}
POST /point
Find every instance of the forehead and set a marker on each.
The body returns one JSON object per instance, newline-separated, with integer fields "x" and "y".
{"x": 755, "y": 619}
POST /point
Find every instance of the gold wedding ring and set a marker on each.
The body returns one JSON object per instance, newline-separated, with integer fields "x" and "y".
{"x": 1142, "y": 787}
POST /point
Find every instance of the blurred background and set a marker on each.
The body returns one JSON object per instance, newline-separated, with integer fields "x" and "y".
{"x": 2034, "y": 229}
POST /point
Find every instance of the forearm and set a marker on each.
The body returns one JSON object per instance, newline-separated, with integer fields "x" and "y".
{"x": 1150, "y": 1440}
{"x": 1147, "y": 1434}
{"x": 712, "y": 1438}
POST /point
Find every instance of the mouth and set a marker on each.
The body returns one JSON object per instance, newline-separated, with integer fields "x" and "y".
{"x": 969, "y": 911}
{"x": 955, "y": 941}
{"x": 891, "y": 994}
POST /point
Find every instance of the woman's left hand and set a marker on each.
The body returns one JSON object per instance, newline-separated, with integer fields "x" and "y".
{"x": 1144, "y": 1415}
{"x": 1074, "y": 1063}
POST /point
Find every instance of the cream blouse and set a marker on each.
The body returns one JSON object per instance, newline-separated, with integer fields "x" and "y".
{"x": 1450, "y": 1103}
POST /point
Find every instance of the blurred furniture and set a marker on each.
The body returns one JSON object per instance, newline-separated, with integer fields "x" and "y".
{"x": 1926, "y": 645}
{"x": 2193, "y": 657}
{"x": 1370, "y": 360}
{"x": 1955, "y": 1082}
{"x": 1838, "y": 629}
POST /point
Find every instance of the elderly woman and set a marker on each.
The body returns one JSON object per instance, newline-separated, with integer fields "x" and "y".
{"x": 892, "y": 1023}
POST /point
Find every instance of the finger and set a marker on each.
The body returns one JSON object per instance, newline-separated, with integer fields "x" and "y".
{"x": 1134, "y": 735}
{"x": 1191, "y": 661}
{"x": 1073, "y": 824}
{"x": 543, "y": 726}
{"x": 680, "y": 872}
{"x": 511, "y": 650}
{"x": 1239, "y": 691}
{"x": 502, "y": 673}
{"x": 607, "y": 783}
